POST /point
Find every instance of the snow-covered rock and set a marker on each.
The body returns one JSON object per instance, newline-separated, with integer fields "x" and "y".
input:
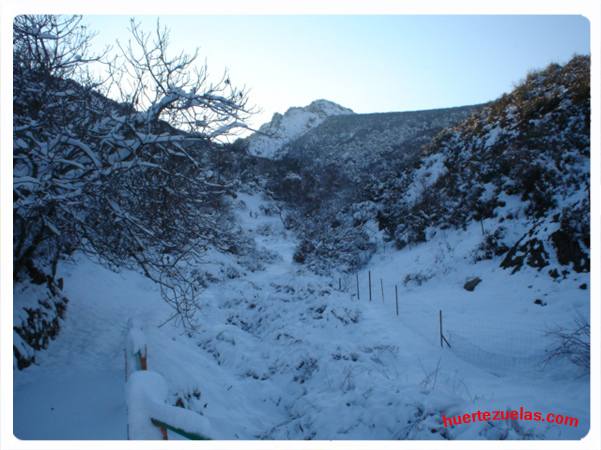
{"x": 282, "y": 129}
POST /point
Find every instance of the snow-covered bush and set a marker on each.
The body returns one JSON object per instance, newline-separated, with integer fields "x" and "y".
{"x": 531, "y": 145}
{"x": 38, "y": 315}
{"x": 417, "y": 279}
{"x": 346, "y": 239}
{"x": 492, "y": 245}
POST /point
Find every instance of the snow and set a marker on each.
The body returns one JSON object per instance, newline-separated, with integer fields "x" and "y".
{"x": 282, "y": 129}
{"x": 135, "y": 338}
{"x": 284, "y": 354}
{"x": 26, "y": 296}
{"x": 493, "y": 136}
{"x": 21, "y": 347}
{"x": 76, "y": 388}
{"x": 432, "y": 168}
{"x": 146, "y": 391}
{"x": 50, "y": 36}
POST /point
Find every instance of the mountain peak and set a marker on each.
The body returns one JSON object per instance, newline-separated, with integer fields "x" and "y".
{"x": 296, "y": 121}
{"x": 327, "y": 107}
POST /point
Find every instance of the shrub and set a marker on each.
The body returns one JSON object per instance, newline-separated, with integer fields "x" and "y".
{"x": 573, "y": 344}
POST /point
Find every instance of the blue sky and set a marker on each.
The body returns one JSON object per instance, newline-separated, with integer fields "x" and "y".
{"x": 369, "y": 63}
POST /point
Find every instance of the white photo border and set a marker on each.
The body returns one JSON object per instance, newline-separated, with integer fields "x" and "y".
{"x": 11, "y": 8}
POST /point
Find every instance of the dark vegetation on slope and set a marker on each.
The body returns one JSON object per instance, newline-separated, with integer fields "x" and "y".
{"x": 532, "y": 145}
{"x": 325, "y": 175}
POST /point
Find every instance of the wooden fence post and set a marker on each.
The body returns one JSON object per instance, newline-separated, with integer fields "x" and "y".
{"x": 164, "y": 433}
{"x": 382, "y": 289}
{"x": 358, "y": 296}
{"x": 440, "y": 323}
{"x": 443, "y": 339}
{"x": 144, "y": 359}
{"x": 396, "y": 295}
{"x": 127, "y": 424}
{"x": 339, "y": 284}
{"x": 369, "y": 274}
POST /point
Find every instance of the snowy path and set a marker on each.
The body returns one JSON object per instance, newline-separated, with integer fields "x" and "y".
{"x": 76, "y": 391}
{"x": 282, "y": 354}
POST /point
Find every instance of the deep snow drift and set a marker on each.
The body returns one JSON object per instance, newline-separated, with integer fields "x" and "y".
{"x": 284, "y": 354}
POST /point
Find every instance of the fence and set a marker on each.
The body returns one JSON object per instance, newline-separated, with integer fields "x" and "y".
{"x": 148, "y": 414}
{"x": 496, "y": 349}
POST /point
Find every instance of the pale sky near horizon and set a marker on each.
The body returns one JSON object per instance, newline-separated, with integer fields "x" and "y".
{"x": 368, "y": 63}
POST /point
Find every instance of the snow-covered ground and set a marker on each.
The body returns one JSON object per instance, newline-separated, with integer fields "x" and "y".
{"x": 285, "y": 354}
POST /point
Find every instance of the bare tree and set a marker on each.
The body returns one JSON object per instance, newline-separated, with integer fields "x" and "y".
{"x": 57, "y": 46}
{"x": 121, "y": 179}
{"x": 174, "y": 88}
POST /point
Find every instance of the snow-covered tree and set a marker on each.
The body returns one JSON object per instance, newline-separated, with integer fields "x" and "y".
{"x": 121, "y": 178}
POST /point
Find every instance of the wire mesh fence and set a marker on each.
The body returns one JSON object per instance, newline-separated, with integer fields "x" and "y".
{"x": 493, "y": 344}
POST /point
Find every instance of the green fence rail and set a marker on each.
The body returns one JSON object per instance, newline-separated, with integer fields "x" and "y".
{"x": 141, "y": 363}
{"x": 188, "y": 435}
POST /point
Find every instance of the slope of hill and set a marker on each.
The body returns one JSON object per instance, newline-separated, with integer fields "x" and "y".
{"x": 519, "y": 167}
{"x": 285, "y": 354}
{"x": 354, "y": 142}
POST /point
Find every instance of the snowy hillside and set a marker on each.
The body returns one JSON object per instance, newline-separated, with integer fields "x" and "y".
{"x": 521, "y": 163}
{"x": 518, "y": 166}
{"x": 272, "y": 136}
{"x": 365, "y": 140}
{"x": 335, "y": 276}
{"x": 285, "y": 354}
